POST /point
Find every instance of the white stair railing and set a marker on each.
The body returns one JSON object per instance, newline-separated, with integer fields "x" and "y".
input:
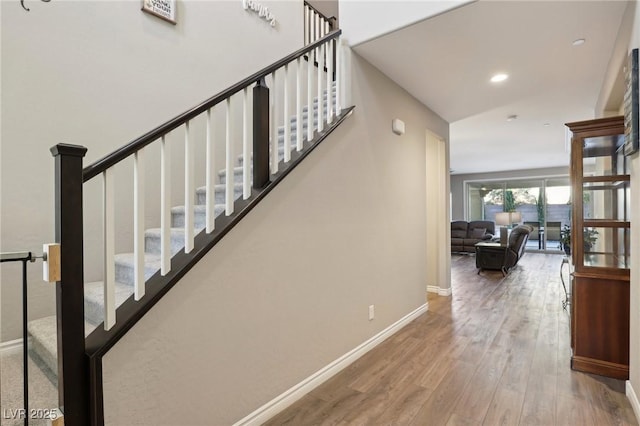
{"x": 313, "y": 87}
{"x": 274, "y": 112}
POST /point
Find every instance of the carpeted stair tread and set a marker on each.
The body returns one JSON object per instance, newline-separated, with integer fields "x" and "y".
{"x": 152, "y": 240}
{"x": 240, "y": 159}
{"x": 237, "y": 175}
{"x": 94, "y": 300}
{"x": 200, "y": 218}
{"x": 220, "y": 193}
{"x": 44, "y": 341}
{"x": 125, "y": 263}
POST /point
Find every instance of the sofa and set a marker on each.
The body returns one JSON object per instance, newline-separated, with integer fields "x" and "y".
{"x": 503, "y": 258}
{"x": 465, "y": 235}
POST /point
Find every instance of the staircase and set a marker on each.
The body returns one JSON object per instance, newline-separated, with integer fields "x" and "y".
{"x": 43, "y": 331}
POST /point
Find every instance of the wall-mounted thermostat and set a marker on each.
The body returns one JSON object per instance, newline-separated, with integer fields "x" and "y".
{"x": 397, "y": 126}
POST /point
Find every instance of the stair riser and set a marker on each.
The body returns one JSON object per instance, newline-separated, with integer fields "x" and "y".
{"x": 237, "y": 178}
{"x": 294, "y": 126}
{"x": 94, "y": 304}
{"x": 238, "y": 173}
{"x": 125, "y": 272}
{"x": 177, "y": 217}
{"x": 280, "y": 155}
{"x": 305, "y": 107}
{"x": 281, "y": 149}
{"x": 152, "y": 243}
{"x": 39, "y": 353}
{"x": 220, "y": 195}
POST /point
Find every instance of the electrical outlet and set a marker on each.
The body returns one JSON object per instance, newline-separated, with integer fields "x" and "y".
{"x": 372, "y": 312}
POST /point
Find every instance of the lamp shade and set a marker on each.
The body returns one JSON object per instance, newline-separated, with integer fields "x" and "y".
{"x": 508, "y": 218}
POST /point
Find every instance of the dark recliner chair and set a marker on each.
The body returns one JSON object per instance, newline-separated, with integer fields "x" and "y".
{"x": 503, "y": 258}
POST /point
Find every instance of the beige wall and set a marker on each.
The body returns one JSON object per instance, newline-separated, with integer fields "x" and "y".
{"x": 287, "y": 291}
{"x": 634, "y": 353}
{"x": 100, "y": 74}
{"x": 610, "y": 103}
{"x": 438, "y": 232}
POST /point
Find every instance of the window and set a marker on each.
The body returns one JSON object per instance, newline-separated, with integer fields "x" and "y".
{"x": 545, "y": 205}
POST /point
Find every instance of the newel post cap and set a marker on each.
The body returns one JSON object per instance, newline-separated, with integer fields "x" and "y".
{"x": 68, "y": 149}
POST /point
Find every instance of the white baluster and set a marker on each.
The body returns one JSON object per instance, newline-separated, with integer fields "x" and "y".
{"x": 230, "y": 177}
{"x": 165, "y": 208}
{"x": 329, "y": 80}
{"x": 317, "y": 29}
{"x": 108, "y": 233}
{"x": 323, "y": 32}
{"x": 310, "y": 75}
{"x": 273, "y": 125}
{"x": 189, "y": 189}
{"x": 138, "y": 224}
{"x": 306, "y": 25}
{"x": 327, "y": 30}
{"x": 299, "y": 105}
{"x": 287, "y": 118}
{"x": 338, "y": 76}
{"x": 246, "y": 163}
{"x": 320, "y": 71}
{"x": 210, "y": 178}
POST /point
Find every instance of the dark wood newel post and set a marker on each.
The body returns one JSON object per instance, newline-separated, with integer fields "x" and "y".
{"x": 260, "y": 135}
{"x": 73, "y": 384}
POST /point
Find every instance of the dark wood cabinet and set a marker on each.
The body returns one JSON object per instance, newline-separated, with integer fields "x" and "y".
{"x": 600, "y": 248}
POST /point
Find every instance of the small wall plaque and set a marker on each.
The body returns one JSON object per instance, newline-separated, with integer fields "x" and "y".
{"x": 163, "y": 9}
{"x": 631, "y": 105}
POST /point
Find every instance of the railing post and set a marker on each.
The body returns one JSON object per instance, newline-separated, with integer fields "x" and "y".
{"x": 73, "y": 384}
{"x": 261, "y": 135}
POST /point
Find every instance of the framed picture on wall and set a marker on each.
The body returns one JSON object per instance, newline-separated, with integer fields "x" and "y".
{"x": 163, "y": 9}
{"x": 631, "y": 105}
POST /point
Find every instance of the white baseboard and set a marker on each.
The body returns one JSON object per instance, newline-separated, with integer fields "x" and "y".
{"x": 440, "y": 291}
{"x": 290, "y": 396}
{"x": 11, "y": 346}
{"x": 633, "y": 399}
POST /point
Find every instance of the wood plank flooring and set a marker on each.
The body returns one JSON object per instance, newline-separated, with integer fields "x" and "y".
{"x": 495, "y": 353}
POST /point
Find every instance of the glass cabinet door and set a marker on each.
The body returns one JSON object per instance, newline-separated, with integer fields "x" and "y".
{"x": 601, "y": 192}
{"x": 603, "y": 155}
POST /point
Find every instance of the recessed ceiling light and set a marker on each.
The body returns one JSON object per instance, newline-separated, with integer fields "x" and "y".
{"x": 547, "y": 124}
{"x": 578, "y": 42}
{"x": 499, "y": 77}
{"x": 512, "y": 117}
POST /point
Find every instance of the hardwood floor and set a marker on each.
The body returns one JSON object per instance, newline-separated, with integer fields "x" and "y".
{"x": 495, "y": 353}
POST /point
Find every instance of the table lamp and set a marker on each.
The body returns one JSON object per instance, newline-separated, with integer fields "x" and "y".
{"x": 506, "y": 220}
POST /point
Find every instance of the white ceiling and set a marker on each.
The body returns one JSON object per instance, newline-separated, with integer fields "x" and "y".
{"x": 446, "y": 62}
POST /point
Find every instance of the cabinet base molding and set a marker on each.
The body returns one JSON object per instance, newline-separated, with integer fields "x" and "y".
{"x": 602, "y": 368}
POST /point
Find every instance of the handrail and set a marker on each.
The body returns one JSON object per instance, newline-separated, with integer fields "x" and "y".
{"x": 120, "y": 154}
{"x": 15, "y": 256}
{"x": 322, "y": 15}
